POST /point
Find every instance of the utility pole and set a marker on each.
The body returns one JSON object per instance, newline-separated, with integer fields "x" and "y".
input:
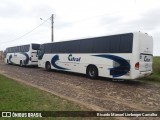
{"x": 52, "y": 33}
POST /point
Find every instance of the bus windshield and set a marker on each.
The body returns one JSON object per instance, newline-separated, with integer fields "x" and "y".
{"x": 35, "y": 46}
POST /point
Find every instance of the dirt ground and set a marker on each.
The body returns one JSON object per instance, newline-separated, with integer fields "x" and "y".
{"x": 101, "y": 94}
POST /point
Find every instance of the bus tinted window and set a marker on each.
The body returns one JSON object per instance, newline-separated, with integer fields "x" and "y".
{"x": 114, "y": 44}
{"x": 126, "y": 43}
{"x": 86, "y": 46}
{"x": 73, "y": 47}
{"x": 107, "y": 44}
{"x": 35, "y": 46}
{"x": 103, "y": 42}
{"x": 24, "y": 48}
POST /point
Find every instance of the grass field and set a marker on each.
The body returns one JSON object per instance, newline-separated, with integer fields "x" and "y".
{"x": 15, "y": 96}
{"x": 156, "y": 70}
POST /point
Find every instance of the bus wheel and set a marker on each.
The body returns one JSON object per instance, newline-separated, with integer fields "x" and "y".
{"x": 21, "y": 63}
{"x": 48, "y": 66}
{"x": 7, "y": 61}
{"x": 92, "y": 71}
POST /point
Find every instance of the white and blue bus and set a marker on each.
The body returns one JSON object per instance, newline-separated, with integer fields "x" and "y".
{"x": 24, "y": 55}
{"x": 122, "y": 56}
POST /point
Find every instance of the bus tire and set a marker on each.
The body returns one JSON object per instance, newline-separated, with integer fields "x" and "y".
{"x": 48, "y": 66}
{"x": 21, "y": 63}
{"x": 7, "y": 61}
{"x": 92, "y": 71}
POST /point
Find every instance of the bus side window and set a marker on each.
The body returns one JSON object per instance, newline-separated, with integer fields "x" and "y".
{"x": 126, "y": 43}
{"x": 114, "y": 44}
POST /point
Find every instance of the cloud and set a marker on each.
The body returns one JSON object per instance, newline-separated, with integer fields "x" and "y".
{"x": 77, "y": 19}
{"x": 148, "y": 21}
{"x": 10, "y": 9}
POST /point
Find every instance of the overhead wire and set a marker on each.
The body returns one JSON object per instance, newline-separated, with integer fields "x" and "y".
{"x": 82, "y": 20}
{"x": 26, "y": 33}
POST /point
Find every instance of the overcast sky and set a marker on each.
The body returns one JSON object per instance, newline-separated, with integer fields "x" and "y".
{"x": 76, "y": 19}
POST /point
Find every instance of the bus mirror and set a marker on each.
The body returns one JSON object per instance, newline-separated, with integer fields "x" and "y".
{"x": 38, "y": 53}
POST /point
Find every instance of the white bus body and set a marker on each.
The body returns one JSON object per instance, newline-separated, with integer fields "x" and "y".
{"x": 24, "y": 55}
{"x": 123, "y": 56}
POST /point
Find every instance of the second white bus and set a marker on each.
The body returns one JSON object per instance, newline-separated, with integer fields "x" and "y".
{"x": 122, "y": 56}
{"x": 24, "y": 55}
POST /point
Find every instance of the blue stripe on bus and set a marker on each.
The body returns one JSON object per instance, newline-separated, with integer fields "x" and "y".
{"x": 122, "y": 69}
{"x": 26, "y": 61}
{"x": 53, "y": 62}
{"x": 10, "y": 61}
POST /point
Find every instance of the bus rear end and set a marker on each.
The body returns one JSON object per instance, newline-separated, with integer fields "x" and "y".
{"x": 34, "y": 56}
{"x": 143, "y": 66}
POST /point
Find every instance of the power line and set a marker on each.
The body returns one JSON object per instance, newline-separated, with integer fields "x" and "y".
{"x": 90, "y": 18}
{"x": 26, "y": 33}
{"x": 82, "y": 20}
